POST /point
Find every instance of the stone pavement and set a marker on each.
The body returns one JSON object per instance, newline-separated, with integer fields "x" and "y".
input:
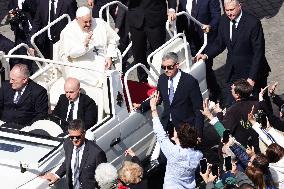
{"x": 271, "y": 13}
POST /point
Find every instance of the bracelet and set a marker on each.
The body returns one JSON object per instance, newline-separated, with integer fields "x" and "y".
{"x": 154, "y": 110}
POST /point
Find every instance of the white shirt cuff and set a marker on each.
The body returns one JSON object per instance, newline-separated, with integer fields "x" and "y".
{"x": 172, "y": 10}
{"x": 214, "y": 121}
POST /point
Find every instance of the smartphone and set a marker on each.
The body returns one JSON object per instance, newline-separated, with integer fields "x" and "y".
{"x": 215, "y": 170}
{"x": 228, "y": 163}
{"x": 282, "y": 110}
{"x": 203, "y": 165}
{"x": 226, "y": 135}
{"x": 249, "y": 142}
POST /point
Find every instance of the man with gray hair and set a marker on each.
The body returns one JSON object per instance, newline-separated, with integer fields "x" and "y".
{"x": 22, "y": 101}
{"x": 242, "y": 35}
{"x": 180, "y": 94}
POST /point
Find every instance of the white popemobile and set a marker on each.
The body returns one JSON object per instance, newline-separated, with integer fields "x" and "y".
{"x": 24, "y": 156}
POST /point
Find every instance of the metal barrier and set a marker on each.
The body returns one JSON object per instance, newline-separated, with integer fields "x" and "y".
{"x": 106, "y": 6}
{"x": 46, "y": 28}
{"x": 190, "y": 18}
{"x": 126, "y": 84}
{"x": 166, "y": 44}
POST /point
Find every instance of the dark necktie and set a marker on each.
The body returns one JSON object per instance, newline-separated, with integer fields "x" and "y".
{"x": 171, "y": 91}
{"x": 76, "y": 170}
{"x": 234, "y": 30}
{"x": 70, "y": 115}
{"x": 19, "y": 94}
{"x": 193, "y": 8}
{"x": 51, "y": 18}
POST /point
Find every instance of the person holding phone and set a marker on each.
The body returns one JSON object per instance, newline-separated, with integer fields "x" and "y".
{"x": 275, "y": 121}
{"x": 267, "y": 135}
{"x": 182, "y": 158}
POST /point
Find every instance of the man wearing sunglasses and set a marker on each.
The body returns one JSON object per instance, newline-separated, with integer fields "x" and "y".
{"x": 81, "y": 159}
{"x": 180, "y": 94}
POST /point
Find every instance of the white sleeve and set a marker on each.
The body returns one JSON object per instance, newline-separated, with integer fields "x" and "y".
{"x": 277, "y": 136}
{"x": 112, "y": 41}
{"x": 261, "y": 134}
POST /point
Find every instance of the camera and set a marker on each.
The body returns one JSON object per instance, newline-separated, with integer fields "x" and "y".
{"x": 261, "y": 118}
{"x": 282, "y": 110}
{"x": 19, "y": 17}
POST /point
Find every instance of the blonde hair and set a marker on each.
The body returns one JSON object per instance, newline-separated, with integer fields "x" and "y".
{"x": 130, "y": 173}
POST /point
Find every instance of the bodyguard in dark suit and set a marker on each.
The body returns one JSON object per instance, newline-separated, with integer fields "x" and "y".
{"x": 44, "y": 16}
{"x": 207, "y": 12}
{"x": 180, "y": 95}
{"x": 22, "y": 14}
{"x": 242, "y": 35}
{"x": 81, "y": 159}
{"x": 146, "y": 20}
{"x": 84, "y": 107}
{"x": 22, "y": 101}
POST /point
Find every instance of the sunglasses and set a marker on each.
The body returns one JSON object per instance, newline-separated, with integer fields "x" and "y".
{"x": 171, "y": 67}
{"x": 75, "y": 137}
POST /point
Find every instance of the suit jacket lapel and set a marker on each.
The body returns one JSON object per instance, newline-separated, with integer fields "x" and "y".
{"x": 178, "y": 86}
{"x": 58, "y": 9}
{"x": 80, "y": 107}
{"x": 25, "y": 94}
{"x": 164, "y": 88}
{"x": 197, "y": 8}
{"x": 85, "y": 155}
{"x": 68, "y": 157}
{"x": 239, "y": 29}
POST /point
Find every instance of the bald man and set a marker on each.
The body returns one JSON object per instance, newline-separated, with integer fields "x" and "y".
{"x": 22, "y": 101}
{"x": 74, "y": 105}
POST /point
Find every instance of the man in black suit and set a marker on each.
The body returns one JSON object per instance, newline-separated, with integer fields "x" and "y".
{"x": 180, "y": 95}
{"x": 81, "y": 159}
{"x": 207, "y": 12}
{"x": 22, "y": 14}
{"x": 146, "y": 20}
{"x": 74, "y": 105}
{"x": 22, "y": 101}
{"x": 44, "y": 15}
{"x": 242, "y": 35}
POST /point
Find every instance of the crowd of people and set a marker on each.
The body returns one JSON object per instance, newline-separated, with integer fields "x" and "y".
{"x": 251, "y": 149}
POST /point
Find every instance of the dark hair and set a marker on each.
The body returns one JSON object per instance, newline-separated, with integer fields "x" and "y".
{"x": 76, "y": 125}
{"x": 256, "y": 176}
{"x": 187, "y": 136}
{"x": 243, "y": 88}
{"x": 246, "y": 186}
{"x": 274, "y": 152}
{"x": 260, "y": 161}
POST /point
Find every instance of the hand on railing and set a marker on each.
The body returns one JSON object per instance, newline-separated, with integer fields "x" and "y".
{"x": 199, "y": 57}
{"x": 31, "y": 51}
{"x": 206, "y": 28}
{"x": 171, "y": 16}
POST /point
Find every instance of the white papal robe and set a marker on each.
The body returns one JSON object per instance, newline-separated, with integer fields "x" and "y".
{"x": 103, "y": 44}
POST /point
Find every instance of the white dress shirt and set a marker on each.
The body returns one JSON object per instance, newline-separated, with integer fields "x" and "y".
{"x": 75, "y": 110}
{"x": 81, "y": 150}
{"x": 236, "y": 24}
{"x": 175, "y": 84}
{"x": 189, "y": 6}
{"x": 16, "y": 94}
